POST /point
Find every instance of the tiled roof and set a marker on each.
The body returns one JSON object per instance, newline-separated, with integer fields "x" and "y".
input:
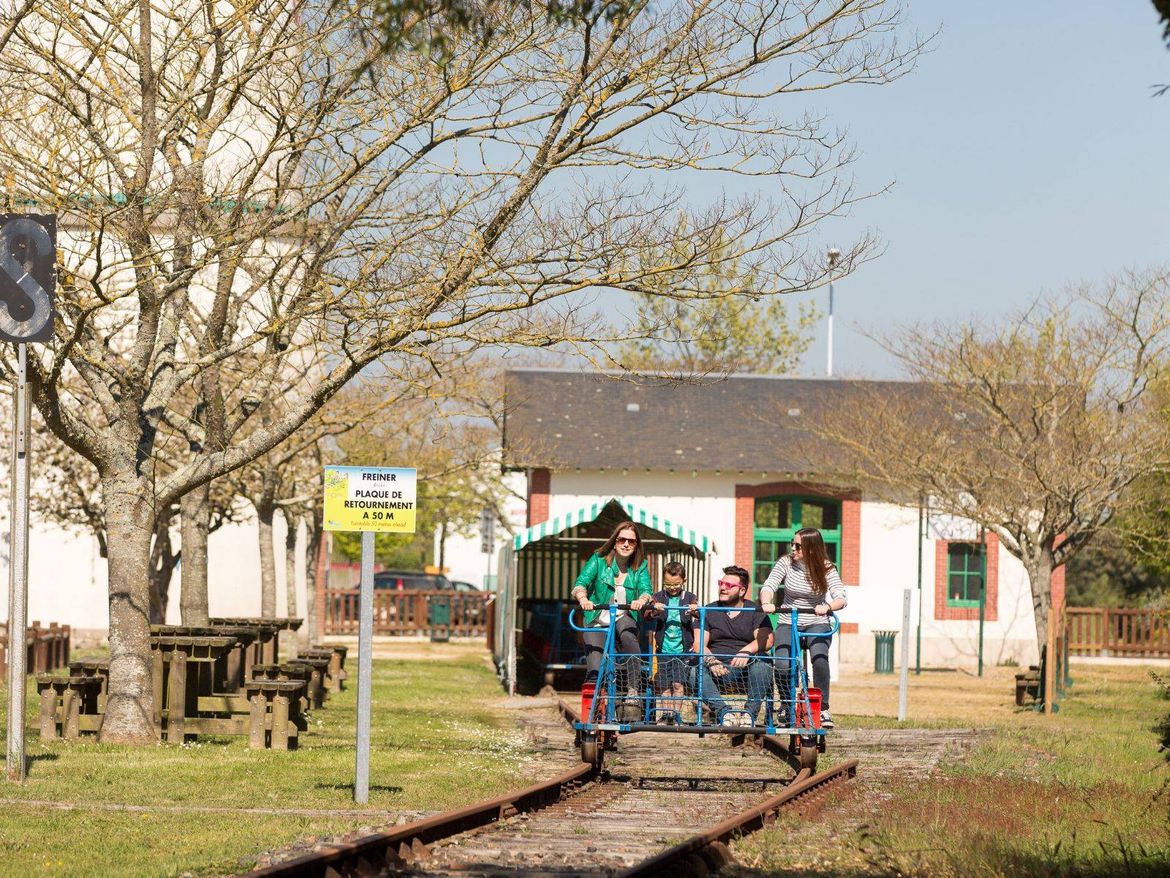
{"x": 564, "y": 419}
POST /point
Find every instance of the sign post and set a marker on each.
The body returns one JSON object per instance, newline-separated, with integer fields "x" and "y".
{"x": 904, "y": 672}
{"x": 487, "y": 540}
{"x": 371, "y": 500}
{"x": 28, "y": 259}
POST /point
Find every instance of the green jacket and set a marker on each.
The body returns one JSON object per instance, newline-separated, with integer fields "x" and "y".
{"x": 597, "y": 580}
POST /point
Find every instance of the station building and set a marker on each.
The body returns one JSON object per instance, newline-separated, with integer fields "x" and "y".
{"x": 733, "y": 459}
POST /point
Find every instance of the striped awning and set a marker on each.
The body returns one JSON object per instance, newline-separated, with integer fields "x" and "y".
{"x": 594, "y": 511}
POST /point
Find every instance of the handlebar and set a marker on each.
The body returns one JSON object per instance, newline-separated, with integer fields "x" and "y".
{"x": 597, "y": 607}
{"x": 831, "y": 617}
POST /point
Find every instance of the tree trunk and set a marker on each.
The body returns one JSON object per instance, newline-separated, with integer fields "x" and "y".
{"x": 130, "y": 705}
{"x": 264, "y": 516}
{"x": 162, "y": 567}
{"x": 442, "y": 545}
{"x": 195, "y": 508}
{"x": 1040, "y": 565}
{"x": 290, "y": 574}
{"x": 313, "y": 535}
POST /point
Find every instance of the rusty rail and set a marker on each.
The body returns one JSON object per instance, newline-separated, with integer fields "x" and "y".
{"x": 411, "y": 843}
{"x": 708, "y": 851}
{"x": 368, "y": 855}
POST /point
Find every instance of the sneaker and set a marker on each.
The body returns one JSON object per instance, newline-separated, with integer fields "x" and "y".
{"x": 826, "y": 720}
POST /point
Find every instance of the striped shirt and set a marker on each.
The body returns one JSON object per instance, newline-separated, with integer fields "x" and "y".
{"x": 798, "y": 590}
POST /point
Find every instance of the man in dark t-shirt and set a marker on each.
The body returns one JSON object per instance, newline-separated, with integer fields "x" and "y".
{"x": 735, "y": 634}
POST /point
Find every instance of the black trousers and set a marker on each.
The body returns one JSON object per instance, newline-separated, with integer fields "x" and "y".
{"x": 625, "y": 637}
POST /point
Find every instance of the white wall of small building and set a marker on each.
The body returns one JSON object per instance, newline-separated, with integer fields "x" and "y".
{"x": 705, "y": 502}
{"x": 67, "y": 579}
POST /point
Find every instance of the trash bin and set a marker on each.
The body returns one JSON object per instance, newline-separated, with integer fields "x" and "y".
{"x": 883, "y": 652}
{"x": 439, "y": 618}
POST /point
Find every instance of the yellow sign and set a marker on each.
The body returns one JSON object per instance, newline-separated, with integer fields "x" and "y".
{"x": 379, "y": 499}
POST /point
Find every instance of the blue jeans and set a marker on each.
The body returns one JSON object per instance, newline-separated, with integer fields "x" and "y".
{"x": 757, "y": 674}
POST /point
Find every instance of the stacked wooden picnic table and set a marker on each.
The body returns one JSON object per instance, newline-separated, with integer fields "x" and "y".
{"x": 221, "y": 679}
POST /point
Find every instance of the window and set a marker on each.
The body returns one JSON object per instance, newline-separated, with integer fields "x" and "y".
{"x": 777, "y": 519}
{"x": 964, "y": 574}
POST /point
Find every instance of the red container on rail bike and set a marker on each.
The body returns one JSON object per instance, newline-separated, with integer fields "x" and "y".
{"x": 587, "y": 690}
{"x": 814, "y": 705}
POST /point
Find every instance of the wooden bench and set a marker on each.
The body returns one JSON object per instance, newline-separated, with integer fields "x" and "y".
{"x": 1028, "y": 686}
{"x": 335, "y": 674}
{"x": 287, "y": 671}
{"x": 275, "y": 719}
{"x": 98, "y": 669}
{"x": 319, "y": 667}
{"x": 68, "y": 705}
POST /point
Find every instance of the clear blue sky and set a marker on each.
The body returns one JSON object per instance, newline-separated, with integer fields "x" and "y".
{"x": 1028, "y": 154}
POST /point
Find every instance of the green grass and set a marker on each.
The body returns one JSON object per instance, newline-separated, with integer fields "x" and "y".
{"x": 1084, "y": 792}
{"x": 438, "y": 742}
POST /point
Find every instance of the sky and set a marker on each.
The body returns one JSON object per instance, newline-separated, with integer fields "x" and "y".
{"x": 1028, "y": 153}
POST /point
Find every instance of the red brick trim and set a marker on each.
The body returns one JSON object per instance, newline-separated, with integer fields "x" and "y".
{"x": 539, "y": 495}
{"x": 1058, "y": 588}
{"x": 952, "y": 614}
{"x": 849, "y": 628}
{"x": 745, "y": 515}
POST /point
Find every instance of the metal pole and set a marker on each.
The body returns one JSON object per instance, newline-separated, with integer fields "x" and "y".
{"x": 829, "y": 364}
{"x": 904, "y": 674}
{"x": 18, "y": 571}
{"x": 918, "y": 633}
{"x": 982, "y": 590}
{"x": 361, "y": 786}
{"x": 833, "y": 255}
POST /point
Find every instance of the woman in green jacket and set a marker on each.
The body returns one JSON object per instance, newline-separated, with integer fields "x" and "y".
{"x": 617, "y": 573}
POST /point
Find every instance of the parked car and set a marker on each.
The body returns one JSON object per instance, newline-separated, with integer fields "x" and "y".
{"x": 411, "y": 580}
{"x": 460, "y": 585}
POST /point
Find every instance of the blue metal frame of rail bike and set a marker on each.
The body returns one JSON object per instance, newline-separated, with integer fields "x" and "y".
{"x": 798, "y": 680}
{"x": 607, "y": 692}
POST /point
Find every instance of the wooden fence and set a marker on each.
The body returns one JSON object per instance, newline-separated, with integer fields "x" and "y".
{"x": 1118, "y": 632}
{"x": 47, "y": 647}
{"x": 403, "y": 613}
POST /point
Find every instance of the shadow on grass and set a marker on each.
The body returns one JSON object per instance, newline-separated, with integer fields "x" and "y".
{"x": 348, "y": 787}
{"x": 43, "y": 757}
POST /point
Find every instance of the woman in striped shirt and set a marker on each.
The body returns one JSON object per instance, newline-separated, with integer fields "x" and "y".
{"x": 812, "y": 586}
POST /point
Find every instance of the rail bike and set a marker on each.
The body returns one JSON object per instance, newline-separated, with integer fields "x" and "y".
{"x": 708, "y": 694}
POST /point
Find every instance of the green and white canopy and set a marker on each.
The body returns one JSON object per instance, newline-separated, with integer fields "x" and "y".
{"x": 605, "y": 515}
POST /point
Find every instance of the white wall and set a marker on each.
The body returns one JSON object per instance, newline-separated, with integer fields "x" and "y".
{"x": 67, "y": 578}
{"x": 889, "y": 563}
{"x": 705, "y": 502}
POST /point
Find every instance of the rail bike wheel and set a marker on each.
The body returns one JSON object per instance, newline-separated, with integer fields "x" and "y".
{"x": 591, "y": 749}
{"x": 808, "y": 752}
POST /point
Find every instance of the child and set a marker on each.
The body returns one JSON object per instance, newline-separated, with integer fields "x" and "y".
{"x": 672, "y": 609}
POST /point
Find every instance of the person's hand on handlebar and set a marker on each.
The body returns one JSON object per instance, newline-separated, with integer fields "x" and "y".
{"x": 822, "y": 609}
{"x": 768, "y": 608}
{"x": 640, "y": 602}
{"x": 585, "y": 603}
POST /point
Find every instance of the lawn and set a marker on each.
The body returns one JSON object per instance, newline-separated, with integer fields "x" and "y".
{"x": 1084, "y": 792}
{"x": 440, "y": 739}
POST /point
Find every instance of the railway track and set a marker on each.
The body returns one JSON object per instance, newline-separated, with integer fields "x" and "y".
{"x": 660, "y": 805}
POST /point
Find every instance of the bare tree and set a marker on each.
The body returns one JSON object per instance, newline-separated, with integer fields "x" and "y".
{"x": 253, "y": 207}
{"x": 1034, "y": 427}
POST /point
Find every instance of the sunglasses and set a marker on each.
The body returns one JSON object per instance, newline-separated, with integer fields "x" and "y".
{"x": 796, "y": 547}
{"x": 730, "y": 583}
{"x": 626, "y": 541}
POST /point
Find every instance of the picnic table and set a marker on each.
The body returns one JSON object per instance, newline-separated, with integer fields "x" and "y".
{"x": 267, "y": 648}
{"x": 171, "y": 654}
{"x": 230, "y": 674}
